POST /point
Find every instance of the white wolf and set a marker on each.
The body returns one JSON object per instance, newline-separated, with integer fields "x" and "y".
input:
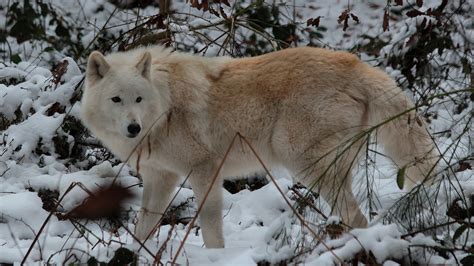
{"x": 305, "y": 109}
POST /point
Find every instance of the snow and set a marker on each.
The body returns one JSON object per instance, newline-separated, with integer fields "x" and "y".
{"x": 382, "y": 240}
{"x": 258, "y": 225}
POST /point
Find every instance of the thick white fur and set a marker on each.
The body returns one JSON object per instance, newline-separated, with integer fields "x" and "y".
{"x": 301, "y": 108}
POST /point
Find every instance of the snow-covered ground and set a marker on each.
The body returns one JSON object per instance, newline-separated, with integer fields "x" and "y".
{"x": 39, "y": 109}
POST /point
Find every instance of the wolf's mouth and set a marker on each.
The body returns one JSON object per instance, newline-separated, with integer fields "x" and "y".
{"x": 132, "y": 135}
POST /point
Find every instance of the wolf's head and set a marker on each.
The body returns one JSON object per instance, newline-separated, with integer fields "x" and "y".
{"x": 119, "y": 98}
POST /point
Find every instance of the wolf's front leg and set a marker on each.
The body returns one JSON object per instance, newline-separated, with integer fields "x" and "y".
{"x": 211, "y": 213}
{"x": 157, "y": 189}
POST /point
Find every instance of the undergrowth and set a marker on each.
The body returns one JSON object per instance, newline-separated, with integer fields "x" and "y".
{"x": 431, "y": 59}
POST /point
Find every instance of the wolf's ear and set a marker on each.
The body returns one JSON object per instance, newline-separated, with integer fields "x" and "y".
{"x": 144, "y": 65}
{"x": 97, "y": 67}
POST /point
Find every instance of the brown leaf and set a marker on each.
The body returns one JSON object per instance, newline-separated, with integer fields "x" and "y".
{"x": 346, "y": 23}
{"x": 414, "y": 13}
{"x": 412, "y": 40}
{"x": 385, "y": 24}
{"x": 434, "y": 13}
{"x": 196, "y": 4}
{"x": 225, "y": 2}
{"x": 205, "y": 5}
{"x": 334, "y": 230}
{"x": 58, "y": 71}
{"x": 464, "y": 165}
{"x": 316, "y": 21}
{"x": 431, "y": 12}
{"x": 313, "y": 21}
{"x": 55, "y": 108}
{"x": 419, "y": 3}
{"x": 441, "y": 7}
{"x": 343, "y": 16}
{"x": 104, "y": 203}
{"x": 355, "y": 18}
{"x": 364, "y": 258}
{"x": 398, "y": 2}
{"x": 160, "y": 22}
{"x": 157, "y": 20}
{"x": 423, "y": 24}
{"x": 457, "y": 212}
{"x": 214, "y": 12}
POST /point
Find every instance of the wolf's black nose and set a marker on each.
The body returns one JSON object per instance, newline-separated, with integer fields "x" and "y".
{"x": 133, "y": 129}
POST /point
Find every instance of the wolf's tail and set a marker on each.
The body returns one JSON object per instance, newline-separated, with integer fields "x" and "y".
{"x": 402, "y": 133}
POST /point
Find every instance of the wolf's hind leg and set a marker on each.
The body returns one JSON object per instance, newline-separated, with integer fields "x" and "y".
{"x": 331, "y": 176}
{"x": 157, "y": 189}
{"x": 340, "y": 198}
{"x": 343, "y": 203}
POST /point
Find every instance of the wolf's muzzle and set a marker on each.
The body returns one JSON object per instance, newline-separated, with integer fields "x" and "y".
{"x": 133, "y": 130}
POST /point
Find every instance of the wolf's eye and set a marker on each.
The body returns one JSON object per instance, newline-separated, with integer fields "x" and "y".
{"x": 139, "y": 99}
{"x": 116, "y": 99}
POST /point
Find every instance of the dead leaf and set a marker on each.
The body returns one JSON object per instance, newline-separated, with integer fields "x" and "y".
{"x": 58, "y": 71}
{"x": 464, "y": 165}
{"x": 414, "y": 13}
{"x": 313, "y": 21}
{"x": 398, "y": 2}
{"x": 455, "y": 211}
{"x": 205, "y": 5}
{"x": 412, "y": 40}
{"x": 346, "y": 23}
{"x": 441, "y": 7}
{"x": 225, "y": 2}
{"x": 355, "y": 18}
{"x": 104, "y": 203}
{"x": 385, "y": 24}
{"x": 334, "y": 230}
{"x": 423, "y": 24}
{"x": 343, "y": 16}
{"x": 214, "y": 12}
{"x": 55, "y": 108}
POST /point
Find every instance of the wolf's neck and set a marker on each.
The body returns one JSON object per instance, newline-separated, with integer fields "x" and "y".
{"x": 189, "y": 79}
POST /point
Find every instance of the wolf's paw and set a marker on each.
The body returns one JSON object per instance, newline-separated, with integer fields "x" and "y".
{"x": 213, "y": 241}
{"x": 216, "y": 244}
{"x": 146, "y": 224}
